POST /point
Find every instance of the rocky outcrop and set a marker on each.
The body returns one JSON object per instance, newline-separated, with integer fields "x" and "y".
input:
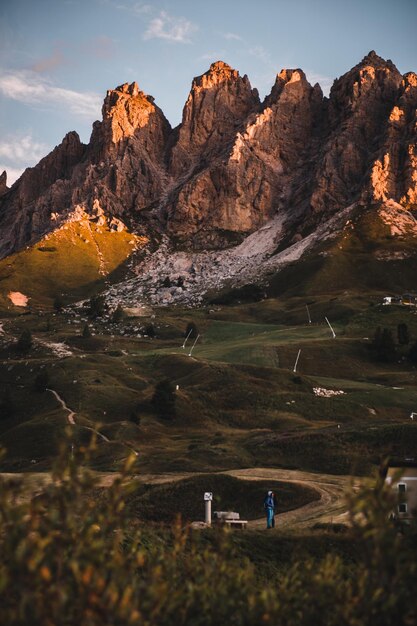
{"x": 236, "y": 193}
{"x": 359, "y": 104}
{"x": 394, "y": 172}
{"x": 233, "y": 162}
{"x": 219, "y": 102}
{"x": 25, "y": 210}
{"x": 3, "y": 183}
{"x": 126, "y": 153}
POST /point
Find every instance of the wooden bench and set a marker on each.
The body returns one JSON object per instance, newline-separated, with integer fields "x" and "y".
{"x": 236, "y": 523}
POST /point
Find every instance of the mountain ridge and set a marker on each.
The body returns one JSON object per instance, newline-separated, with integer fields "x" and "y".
{"x": 233, "y": 163}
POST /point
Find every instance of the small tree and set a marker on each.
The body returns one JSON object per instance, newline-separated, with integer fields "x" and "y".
{"x": 118, "y": 315}
{"x": 403, "y": 334}
{"x": 25, "y": 341}
{"x": 191, "y": 331}
{"x": 59, "y": 304}
{"x": 41, "y": 381}
{"x": 164, "y": 399}
{"x": 384, "y": 345}
{"x": 150, "y": 331}
{"x": 86, "y": 334}
{"x": 412, "y": 353}
{"x": 97, "y": 306}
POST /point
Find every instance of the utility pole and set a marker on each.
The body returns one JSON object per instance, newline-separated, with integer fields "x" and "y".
{"x": 193, "y": 346}
{"x": 331, "y": 328}
{"x": 186, "y": 339}
{"x": 296, "y": 361}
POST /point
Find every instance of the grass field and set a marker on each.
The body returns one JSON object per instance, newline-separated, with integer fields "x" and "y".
{"x": 238, "y": 402}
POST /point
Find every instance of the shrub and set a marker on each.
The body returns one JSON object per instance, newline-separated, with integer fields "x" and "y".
{"x": 97, "y": 306}
{"x": 86, "y": 334}
{"x": 163, "y": 399}
{"x": 191, "y": 331}
{"x": 59, "y": 304}
{"x": 73, "y": 555}
{"x": 41, "y": 381}
{"x": 384, "y": 345}
{"x": 25, "y": 341}
{"x": 403, "y": 334}
{"x": 118, "y": 315}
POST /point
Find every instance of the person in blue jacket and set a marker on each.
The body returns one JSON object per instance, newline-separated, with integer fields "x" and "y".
{"x": 269, "y": 506}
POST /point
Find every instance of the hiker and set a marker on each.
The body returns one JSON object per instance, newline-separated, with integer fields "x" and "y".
{"x": 269, "y": 506}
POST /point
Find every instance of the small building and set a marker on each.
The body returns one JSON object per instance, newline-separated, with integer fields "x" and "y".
{"x": 402, "y": 476}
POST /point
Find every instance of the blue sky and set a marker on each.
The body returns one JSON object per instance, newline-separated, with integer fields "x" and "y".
{"x": 58, "y": 57}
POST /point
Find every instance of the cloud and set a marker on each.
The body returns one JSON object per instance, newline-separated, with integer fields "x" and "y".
{"x": 22, "y": 149}
{"x": 325, "y": 82}
{"x": 50, "y": 62}
{"x": 175, "y": 29}
{"x": 13, "y": 173}
{"x": 232, "y": 36}
{"x": 260, "y": 53}
{"x": 101, "y": 47}
{"x": 212, "y": 56}
{"x": 30, "y": 88}
{"x": 17, "y": 152}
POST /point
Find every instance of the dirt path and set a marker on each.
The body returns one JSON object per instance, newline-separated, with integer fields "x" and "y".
{"x": 71, "y": 420}
{"x": 330, "y": 508}
{"x": 70, "y": 416}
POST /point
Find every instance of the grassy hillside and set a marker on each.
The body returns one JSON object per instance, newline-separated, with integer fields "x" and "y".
{"x": 73, "y": 261}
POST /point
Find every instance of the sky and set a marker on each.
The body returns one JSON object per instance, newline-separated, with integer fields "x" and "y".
{"x": 59, "y": 57}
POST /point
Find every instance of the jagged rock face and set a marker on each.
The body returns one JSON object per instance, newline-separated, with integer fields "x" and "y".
{"x": 121, "y": 171}
{"x": 25, "y": 211}
{"x": 219, "y": 102}
{"x": 126, "y": 151}
{"x": 394, "y": 172}
{"x": 233, "y": 162}
{"x": 238, "y": 192}
{"x": 360, "y": 102}
{"x": 3, "y": 183}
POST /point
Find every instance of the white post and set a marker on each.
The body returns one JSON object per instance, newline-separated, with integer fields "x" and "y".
{"x": 186, "y": 339}
{"x": 208, "y": 497}
{"x": 193, "y": 346}
{"x": 308, "y": 313}
{"x": 331, "y": 328}
{"x": 296, "y": 361}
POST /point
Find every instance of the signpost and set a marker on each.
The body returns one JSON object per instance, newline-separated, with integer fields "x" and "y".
{"x": 208, "y": 497}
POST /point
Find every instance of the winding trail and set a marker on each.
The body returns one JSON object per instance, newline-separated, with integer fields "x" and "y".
{"x": 71, "y": 413}
{"x": 330, "y": 508}
{"x": 71, "y": 420}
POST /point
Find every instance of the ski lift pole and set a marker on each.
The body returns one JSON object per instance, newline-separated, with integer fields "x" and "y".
{"x": 186, "y": 339}
{"x": 193, "y": 346}
{"x": 296, "y": 361}
{"x": 331, "y": 328}
{"x": 308, "y": 313}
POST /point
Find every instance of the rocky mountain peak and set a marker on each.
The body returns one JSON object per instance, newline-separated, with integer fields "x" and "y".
{"x": 219, "y": 102}
{"x": 3, "y": 183}
{"x": 127, "y": 109}
{"x": 233, "y": 163}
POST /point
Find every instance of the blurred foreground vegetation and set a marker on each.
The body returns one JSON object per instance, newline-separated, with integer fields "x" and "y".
{"x": 72, "y": 558}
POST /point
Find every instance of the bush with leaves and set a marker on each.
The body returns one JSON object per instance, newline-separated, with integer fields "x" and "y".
{"x": 384, "y": 345}
{"x": 97, "y": 306}
{"x": 25, "y": 341}
{"x": 73, "y": 555}
{"x": 41, "y": 381}
{"x": 164, "y": 398}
